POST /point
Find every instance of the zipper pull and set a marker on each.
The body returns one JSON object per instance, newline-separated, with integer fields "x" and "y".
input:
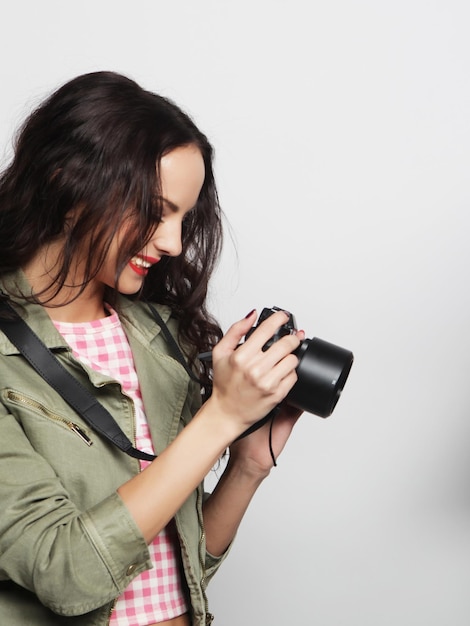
{"x": 81, "y": 433}
{"x": 209, "y": 619}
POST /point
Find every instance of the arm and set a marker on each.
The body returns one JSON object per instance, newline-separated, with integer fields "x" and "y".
{"x": 249, "y": 464}
{"x": 248, "y": 383}
{"x": 74, "y": 558}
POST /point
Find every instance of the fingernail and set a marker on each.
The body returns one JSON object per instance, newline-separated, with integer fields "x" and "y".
{"x": 250, "y": 313}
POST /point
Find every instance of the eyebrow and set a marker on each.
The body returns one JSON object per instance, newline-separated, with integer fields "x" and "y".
{"x": 174, "y": 207}
{"x": 171, "y": 205}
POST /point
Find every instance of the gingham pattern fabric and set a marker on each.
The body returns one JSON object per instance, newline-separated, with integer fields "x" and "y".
{"x": 157, "y": 594}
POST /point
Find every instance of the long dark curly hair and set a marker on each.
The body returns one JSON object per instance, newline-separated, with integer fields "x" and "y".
{"x": 95, "y": 144}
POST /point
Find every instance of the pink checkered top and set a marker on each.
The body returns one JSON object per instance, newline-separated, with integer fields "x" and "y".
{"x": 155, "y": 595}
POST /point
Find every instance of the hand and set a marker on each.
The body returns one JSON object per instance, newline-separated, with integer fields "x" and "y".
{"x": 249, "y": 383}
{"x": 253, "y": 452}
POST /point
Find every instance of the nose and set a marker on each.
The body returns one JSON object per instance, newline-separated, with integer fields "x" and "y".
{"x": 167, "y": 238}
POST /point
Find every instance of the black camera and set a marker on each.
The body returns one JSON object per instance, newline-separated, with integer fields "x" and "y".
{"x": 321, "y": 373}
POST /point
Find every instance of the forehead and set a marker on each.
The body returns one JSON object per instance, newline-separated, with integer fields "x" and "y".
{"x": 182, "y": 174}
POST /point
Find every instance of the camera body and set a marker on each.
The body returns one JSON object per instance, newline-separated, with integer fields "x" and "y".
{"x": 321, "y": 373}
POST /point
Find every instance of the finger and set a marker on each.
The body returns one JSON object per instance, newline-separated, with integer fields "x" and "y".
{"x": 261, "y": 362}
{"x": 280, "y": 349}
{"x": 234, "y": 335}
{"x": 265, "y": 331}
{"x": 284, "y": 346}
{"x": 284, "y": 369}
{"x": 273, "y": 383}
{"x": 284, "y": 385}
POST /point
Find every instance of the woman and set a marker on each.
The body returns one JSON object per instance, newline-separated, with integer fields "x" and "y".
{"x": 109, "y": 203}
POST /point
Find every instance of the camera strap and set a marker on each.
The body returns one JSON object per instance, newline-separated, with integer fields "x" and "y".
{"x": 72, "y": 391}
{"x": 177, "y": 352}
{"x": 77, "y": 396}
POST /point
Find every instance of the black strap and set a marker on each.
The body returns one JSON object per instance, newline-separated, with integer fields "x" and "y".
{"x": 73, "y": 392}
{"x": 76, "y": 395}
{"x": 177, "y": 352}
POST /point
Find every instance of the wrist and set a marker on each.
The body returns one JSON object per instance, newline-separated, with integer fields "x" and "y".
{"x": 225, "y": 417}
{"x": 246, "y": 469}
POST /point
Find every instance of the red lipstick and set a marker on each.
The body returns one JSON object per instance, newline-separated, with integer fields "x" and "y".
{"x": 141, "y": 264}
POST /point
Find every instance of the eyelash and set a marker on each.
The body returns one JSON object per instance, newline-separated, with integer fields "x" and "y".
{"x": 186, "y": 219}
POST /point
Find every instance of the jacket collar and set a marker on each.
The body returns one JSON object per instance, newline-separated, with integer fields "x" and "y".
{"x": 16, "y": 285}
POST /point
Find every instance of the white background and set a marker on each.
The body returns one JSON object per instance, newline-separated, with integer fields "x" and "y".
{"x": 342, "y": 137}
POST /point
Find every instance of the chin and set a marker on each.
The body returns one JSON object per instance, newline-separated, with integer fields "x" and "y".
{"x": 128, "y": 291}
{"x": 129, "y": 287}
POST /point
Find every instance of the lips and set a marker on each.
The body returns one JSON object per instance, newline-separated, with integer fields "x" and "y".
{"x": 141, "y": 264}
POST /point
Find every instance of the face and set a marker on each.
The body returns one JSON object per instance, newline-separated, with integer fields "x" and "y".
{"x": 181, "y": 176}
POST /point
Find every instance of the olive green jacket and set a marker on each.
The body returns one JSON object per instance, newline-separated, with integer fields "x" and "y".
{"x": 68, "y": 545}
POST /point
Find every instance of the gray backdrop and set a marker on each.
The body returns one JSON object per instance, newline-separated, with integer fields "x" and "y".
{"x": 342, "y": 137}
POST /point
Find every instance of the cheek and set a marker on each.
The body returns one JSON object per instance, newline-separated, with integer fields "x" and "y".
{"x": 120, "y": 246}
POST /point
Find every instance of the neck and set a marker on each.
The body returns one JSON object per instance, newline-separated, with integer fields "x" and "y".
{"x": 79, "y": 310}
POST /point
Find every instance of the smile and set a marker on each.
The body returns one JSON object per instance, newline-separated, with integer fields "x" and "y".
{"x": 141, "y": 265}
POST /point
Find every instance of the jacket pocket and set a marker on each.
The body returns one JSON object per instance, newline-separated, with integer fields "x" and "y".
{"x": 21, "y": 400}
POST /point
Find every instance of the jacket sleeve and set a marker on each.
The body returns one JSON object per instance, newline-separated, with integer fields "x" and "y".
{"x": 214, "y": 562}
{"x": 74, "y": 561}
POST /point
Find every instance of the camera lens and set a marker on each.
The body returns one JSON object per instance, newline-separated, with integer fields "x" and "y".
{"x": 322, "y": 373}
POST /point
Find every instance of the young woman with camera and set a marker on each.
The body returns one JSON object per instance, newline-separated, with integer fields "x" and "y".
{"x": 109, "y": 203}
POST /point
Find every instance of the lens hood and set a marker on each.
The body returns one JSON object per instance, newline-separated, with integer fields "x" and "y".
{"x": 321, "y": 375}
